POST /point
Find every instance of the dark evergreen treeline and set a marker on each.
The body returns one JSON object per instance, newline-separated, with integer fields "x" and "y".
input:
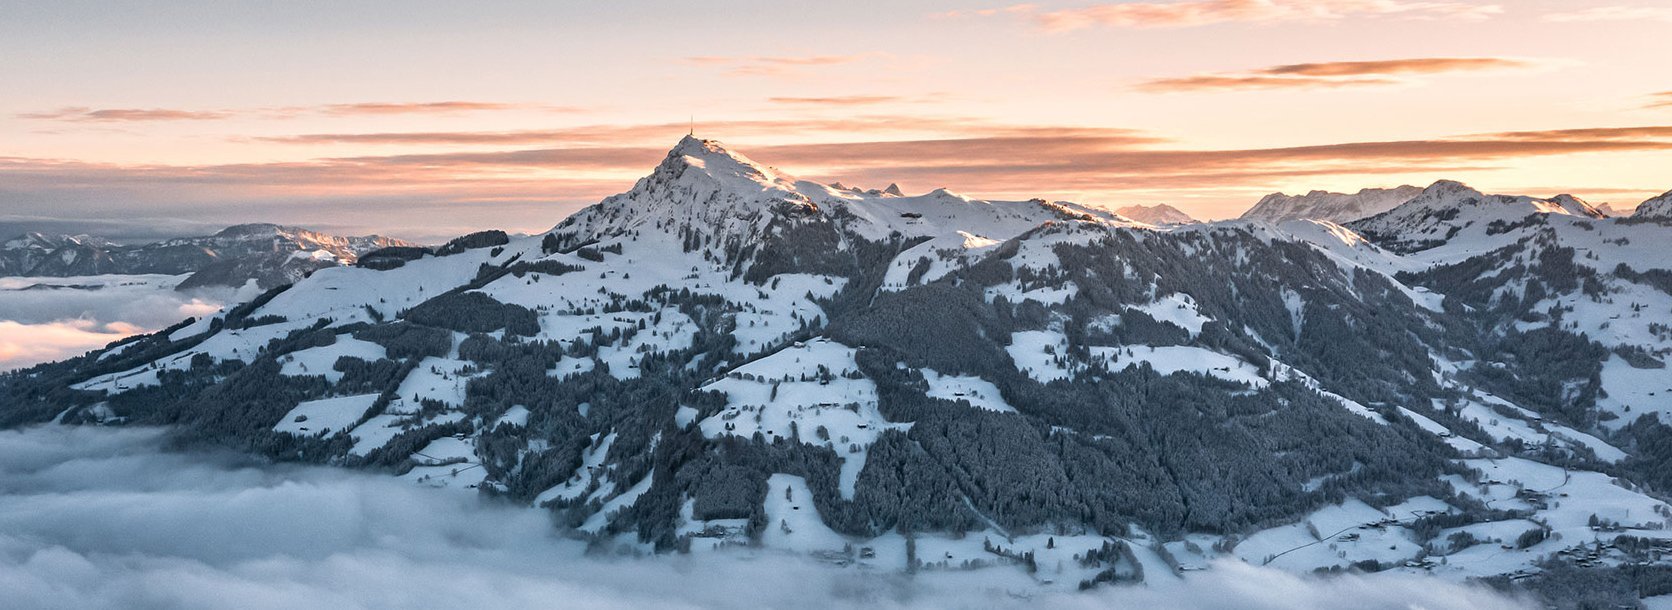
{"x": 474, "y": 312}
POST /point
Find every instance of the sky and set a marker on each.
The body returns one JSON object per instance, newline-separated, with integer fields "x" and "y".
{"x": 425, "y": 119}
{"x": 96, "y": 517}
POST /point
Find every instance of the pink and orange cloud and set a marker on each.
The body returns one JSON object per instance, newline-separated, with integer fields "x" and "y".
{"x": 449, "y": 107}
{"x": 1194, "y": 13}
{"x": 1613, "y": 13}
{"x": 1331, "y": 74}
{"x": 1002, "y": 160}
{"x": 83, "y": 114}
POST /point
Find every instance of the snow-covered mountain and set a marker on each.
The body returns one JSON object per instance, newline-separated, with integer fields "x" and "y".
{"x": 718, "y": 195}
{"x": 1333, "y": 207}
{"x": 271, "y": 255}
{"x": 24, "y": 252}
{"x": 1448, "y": 210}
{"x": 1656, "y": 208}
{"x": 727, "y": 356}
{"x": 1158, "y": 214}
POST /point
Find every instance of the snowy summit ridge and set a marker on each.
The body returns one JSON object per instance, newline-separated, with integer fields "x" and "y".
{"x": 704, "y": 190}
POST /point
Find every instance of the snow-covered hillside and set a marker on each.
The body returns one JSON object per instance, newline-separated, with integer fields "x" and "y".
{"x": 728, "y": 356}
{"x": 1658, "y": 208}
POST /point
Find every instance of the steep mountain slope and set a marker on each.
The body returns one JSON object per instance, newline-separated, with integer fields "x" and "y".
{"x": 1158, "y": 214}
{"x": 1333, "y": 207}
{"x": 726, "y": 355}
{"x": 1658, "y": 208}
{"x": 271, "y": 255}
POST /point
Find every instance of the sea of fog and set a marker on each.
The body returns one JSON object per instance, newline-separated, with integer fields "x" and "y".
{"x": 105, "y": 518}
{"x": 52, "y": 318}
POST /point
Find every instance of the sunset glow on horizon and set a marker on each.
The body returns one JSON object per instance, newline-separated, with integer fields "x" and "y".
{"x": 430, "y": 119}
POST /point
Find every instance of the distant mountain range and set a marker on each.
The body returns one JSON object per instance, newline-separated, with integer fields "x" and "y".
{"x": 271, "y": 255}
{"x": 1334, "y": 207}
{"x": 1158, "y": 214}
{"x": 1413, "y": 380}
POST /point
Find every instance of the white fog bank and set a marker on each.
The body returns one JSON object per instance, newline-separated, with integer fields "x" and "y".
{"x": 52, "y": 318}
{"x": 101, "y": 518}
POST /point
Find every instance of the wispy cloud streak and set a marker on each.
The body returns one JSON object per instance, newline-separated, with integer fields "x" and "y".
{"x": 1195, "y": 13}
{"x": 1613, "y": 13}
{"x": 1331, "y": 74}
{"x": 1003, "y": 159}
{"x": 84, "y": 114}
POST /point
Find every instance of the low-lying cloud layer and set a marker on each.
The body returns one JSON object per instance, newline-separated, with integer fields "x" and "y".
{"x": 45, "y": 319}
{"x": 96, "y": 518}
{"x": 22, "y": 345}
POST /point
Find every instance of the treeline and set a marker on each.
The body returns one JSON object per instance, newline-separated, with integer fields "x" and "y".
{"x": 474, "y": 312}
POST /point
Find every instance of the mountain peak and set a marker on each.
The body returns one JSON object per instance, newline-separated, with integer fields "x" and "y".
{"x": 699, "y": 186}
{"x": 711, "y": 158}
{"x": 251, "y": 229}
{"x": 1450, "y": 188}
{"x": 691, "y": 144}
{"x": 1576, "y": 206}
{"x": 1158, "y": 214}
